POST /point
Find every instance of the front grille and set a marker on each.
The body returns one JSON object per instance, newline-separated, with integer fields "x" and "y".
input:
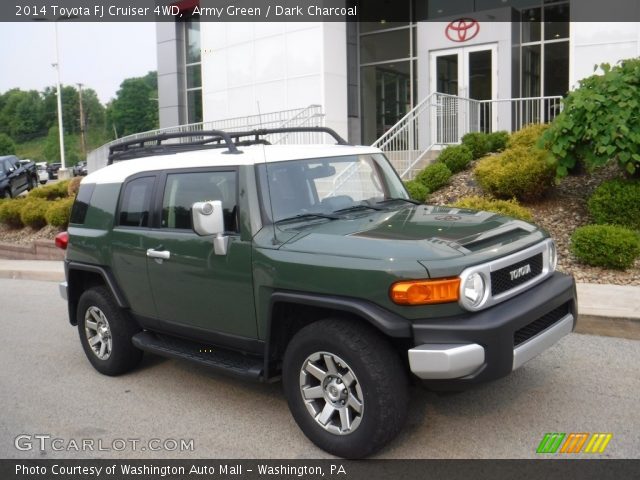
{"x": 502, "y": 281}
{"x": 537, "y": 326}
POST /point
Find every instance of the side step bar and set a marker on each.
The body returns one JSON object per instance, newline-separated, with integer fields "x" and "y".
{"x": 232, "y": 363}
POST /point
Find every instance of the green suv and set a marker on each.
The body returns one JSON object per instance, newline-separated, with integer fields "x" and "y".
{"x": 307, "y": 264}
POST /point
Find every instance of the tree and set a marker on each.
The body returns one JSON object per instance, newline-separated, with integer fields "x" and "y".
{"x": 21, "y": 114}
{"x": 7, "y": 147}
{"x": 52, "y": 147}
{"x": 135, "y": 108}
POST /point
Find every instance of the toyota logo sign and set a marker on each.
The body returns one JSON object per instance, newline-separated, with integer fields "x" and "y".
{"x": 462, "y": 30}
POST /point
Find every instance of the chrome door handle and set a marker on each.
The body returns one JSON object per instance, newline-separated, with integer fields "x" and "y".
{"x": 161, "y": 254}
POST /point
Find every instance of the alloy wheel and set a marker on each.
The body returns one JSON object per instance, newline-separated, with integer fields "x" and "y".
{"x": 332, "y": 393}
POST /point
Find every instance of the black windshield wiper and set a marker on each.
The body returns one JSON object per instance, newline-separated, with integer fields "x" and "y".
{"x": 398, "y": 199}
{"x": 355, "y": 208}
{"x": 303, "y": 216}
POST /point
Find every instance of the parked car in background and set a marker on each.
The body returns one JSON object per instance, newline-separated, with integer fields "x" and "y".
{"x": 52, "y": 169}
{"x": 43, "y": 174}
{"x": 80, "y": 169}
{"x": 16, "y": 176}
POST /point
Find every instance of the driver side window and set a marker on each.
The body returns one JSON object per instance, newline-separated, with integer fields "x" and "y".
{"x": 182, "y": 190}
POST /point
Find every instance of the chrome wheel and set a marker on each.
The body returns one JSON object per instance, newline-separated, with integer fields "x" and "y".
{"x": 98, "y": 332}
{"x": 331, "y": 392}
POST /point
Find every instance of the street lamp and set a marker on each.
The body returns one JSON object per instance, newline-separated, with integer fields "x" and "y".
{"x": 63, "y": 173}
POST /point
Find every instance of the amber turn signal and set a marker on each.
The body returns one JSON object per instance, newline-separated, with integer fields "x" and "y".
{"x": 425, "y": 292}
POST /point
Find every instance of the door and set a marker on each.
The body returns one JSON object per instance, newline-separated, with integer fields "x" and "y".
{"x": 194, "y": 289}
{"x": 469, "y": 73}
{"x": 16, "y": 175}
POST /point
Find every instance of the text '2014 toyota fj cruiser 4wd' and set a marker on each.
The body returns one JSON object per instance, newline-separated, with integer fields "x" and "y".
{"x": 307, "y": 263}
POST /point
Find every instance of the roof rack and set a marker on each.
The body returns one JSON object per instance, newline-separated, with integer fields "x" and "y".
{"x": 204, "y": 139}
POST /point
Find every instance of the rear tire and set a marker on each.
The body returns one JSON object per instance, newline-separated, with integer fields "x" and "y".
{"x": 105, "y": 333}
{"x": 346, "y": 387}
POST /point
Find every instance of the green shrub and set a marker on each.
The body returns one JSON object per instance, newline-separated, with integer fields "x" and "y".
{"x": 417, "y": 190}
{"x": 456, "y": 157}
{"x": 606, "y": 246}
{"x": 51, "y": 192}
{"x": 7, "y": 145}
{"x": 498, "y": 141}
{"x": 478, "y": 143}
{"x": 523, "y": 173}
{"x": 10, "y": 212}
{"x": 616, "y": 202}
{"x": 33, "y": 213}
{"x": 511, "y": 208}
{"x": 528, "y": 136}
{"x": 434, "y": 176}
{"x": 58, "y": 212}
{"x": 600, "y": 121}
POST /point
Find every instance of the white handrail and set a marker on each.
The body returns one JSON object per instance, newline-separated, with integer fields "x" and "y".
{"x": 443, "y": 119}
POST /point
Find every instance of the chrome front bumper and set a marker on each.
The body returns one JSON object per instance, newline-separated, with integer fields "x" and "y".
{"x": 62, "y": 288}
{"x": 449, "y": 361}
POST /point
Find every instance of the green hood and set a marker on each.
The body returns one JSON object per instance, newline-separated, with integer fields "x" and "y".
{"x": 414, "y": 232}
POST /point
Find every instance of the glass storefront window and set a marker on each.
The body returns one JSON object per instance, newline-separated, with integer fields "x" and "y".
{"x": 531, "y": 71}
{"x": 193, "y": 69}
{"x": 544, "y": 51}
{"x": 384, "y": 46}
{"x": 192, "y": 39}
{"x": 556, "y": 73}
{"x": 556, "y": 22}
{"x": 531, "y": 18}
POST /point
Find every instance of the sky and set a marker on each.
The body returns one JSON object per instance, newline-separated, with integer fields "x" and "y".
{"x": 98, "y": 55}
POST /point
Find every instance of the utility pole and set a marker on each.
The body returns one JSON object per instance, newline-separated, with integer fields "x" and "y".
{"x": 82, "y": 123}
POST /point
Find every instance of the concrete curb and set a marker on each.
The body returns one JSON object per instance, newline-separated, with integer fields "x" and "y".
{"x": 628, "y": 328}
{"x": 606, "y": 310}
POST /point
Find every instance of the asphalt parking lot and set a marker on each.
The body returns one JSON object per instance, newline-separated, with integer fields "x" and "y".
{"x": 47, "y": 387}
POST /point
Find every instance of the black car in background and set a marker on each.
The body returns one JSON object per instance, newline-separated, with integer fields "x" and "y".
{"x": 52, "y": 169}
{"x": 16, "y": 176}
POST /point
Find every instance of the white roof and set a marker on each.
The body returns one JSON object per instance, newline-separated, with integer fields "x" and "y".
{"x": 220, "y": 157}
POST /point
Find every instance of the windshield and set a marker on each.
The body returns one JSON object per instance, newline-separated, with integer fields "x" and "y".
{"x": 326, "y": 185}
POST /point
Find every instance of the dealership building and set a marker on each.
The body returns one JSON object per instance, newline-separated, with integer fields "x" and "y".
{"x": 463, "y": 66}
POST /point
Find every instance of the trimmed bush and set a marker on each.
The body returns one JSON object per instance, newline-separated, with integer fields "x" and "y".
{"x": 523, "y": 173}
{"x": 498, "y": 140}
{"x": 417, "y": 190}
{"x": 478, "y": 143}
{"x": 606, "y": 246}
{"x": 58, "y": 212}
{"x": 528, "y": 136}
{"x": 73, "y": 186}
{"x": 434, "y": 176}
{"x": 456, "y": 157}
{"x": 510, "y": 208}
{"x": 599, "y": 122}
{"x": 616, "y": 202}
{"x": 33, "y": 213}
{"x": 51, "y": 192}
{"x": 10, "y": 212}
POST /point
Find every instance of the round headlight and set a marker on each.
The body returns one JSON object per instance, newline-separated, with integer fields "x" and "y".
{"x": 472, "y": 290}
{"x": 553, "y": 256}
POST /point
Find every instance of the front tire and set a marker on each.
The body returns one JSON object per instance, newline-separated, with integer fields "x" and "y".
{"x": 105, "y": 333}
{"x": 346, "y": 387}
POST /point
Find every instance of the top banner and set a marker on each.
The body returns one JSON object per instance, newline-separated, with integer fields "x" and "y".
{"x": 379, "y": 11}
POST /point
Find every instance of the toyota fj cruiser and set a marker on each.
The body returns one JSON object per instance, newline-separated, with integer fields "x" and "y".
{"x": 307, "y": 263}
